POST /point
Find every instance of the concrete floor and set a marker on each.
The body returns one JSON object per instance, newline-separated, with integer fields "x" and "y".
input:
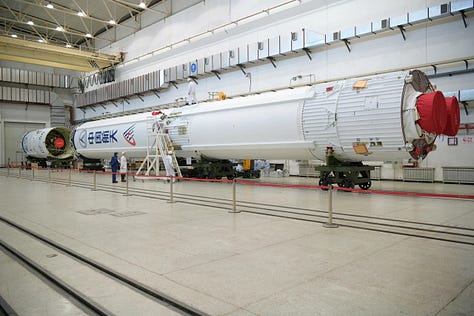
{"x": 247, "y": 264}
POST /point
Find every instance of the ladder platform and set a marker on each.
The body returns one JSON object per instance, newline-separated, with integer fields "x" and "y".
{"x": 158, "y": 146}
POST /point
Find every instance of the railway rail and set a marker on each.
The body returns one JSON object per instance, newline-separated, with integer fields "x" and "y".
{"x": 77, "y": 293}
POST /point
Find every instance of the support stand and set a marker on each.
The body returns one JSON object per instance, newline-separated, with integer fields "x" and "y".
{"x": 158, "y": 146}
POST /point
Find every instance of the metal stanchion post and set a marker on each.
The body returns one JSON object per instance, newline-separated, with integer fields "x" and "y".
{"x": 234, "y": 197}
{"x": 95, "y": 181}
{"x": 49, "y": 175}
{"x": 330, "y": 224}
{"x": 8, "y": 171}
{"x": 69, "y": 177}
{"x": 171, "y": 189}
{"x": 32, "y": 174}
{"x": 19, "y": 173}
{"x": 126, "y": 184}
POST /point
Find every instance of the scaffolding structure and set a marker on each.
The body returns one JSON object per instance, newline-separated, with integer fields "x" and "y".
{"x": 158, "y": 146}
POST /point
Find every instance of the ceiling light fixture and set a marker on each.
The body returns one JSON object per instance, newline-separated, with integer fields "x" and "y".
{"x": 112, "y": 22}
{"x": 81, "y": 14}
{"x": 30, "y": 23}
{"x": 60, "y": 29}
{"x": 142, "y": 5}
{"x": 89, "y": 35}
{"x": 41, "y": 40}
{"x": 14, "y": 35}
{"x": 49, "y": 5}
{"x": 68, "y": 45}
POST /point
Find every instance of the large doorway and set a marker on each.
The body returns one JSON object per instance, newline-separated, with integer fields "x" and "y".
{"x": 13, "y": 134}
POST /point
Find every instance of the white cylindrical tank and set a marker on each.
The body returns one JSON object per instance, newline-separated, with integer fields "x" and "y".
{"x": 100, "y": 139}
{"x": 371, "y": 118}
{"x": 46, "y": 143}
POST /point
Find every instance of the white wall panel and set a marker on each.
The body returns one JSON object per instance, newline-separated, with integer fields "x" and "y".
{"x": 319, "y": 16}
{"x": 13, "y": 133}
{"x": 11, "y": 113}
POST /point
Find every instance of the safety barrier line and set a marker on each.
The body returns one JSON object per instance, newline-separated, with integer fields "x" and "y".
{"x": 278, "y": 185}
{"x": 171, "y": 179}
{"x": 415, "y": 194}
{"x": 381, "y": 192}
{"x": 204, "y": 180}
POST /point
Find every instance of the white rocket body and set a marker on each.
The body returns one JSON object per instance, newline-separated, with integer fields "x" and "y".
{"x": 100, "y": 139}
{"x": 375, "y": 121}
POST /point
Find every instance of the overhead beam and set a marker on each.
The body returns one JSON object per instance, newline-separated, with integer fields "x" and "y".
{"x": 15, "y": 49}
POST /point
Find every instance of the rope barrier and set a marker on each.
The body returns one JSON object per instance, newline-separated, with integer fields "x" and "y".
{"x": 255, "y": 183}
{"x": 280, "y": 185}
{"x": 414, "y": 194}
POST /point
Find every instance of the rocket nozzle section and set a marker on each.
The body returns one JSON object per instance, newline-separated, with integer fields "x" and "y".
{"x": 454, "y": 117}
{"x": 46, "y": 143}
{"x": 433, "y": 112}
{"x": 438, "y": 115}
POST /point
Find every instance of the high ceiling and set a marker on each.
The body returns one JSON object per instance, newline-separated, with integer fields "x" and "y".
{"x": 68, "y": 22}
{"x": 61, "y": 33}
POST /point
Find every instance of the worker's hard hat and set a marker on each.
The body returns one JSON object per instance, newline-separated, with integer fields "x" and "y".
{"x": 170, "y": 152}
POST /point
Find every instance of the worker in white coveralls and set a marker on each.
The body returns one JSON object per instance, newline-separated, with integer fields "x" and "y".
{"x": 191, "y": 99}
{"x": 123, "y": 166}
{"x": 169, "y": 164}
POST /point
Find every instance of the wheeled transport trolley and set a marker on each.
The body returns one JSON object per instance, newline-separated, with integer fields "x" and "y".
{"x": 344, "y": 174}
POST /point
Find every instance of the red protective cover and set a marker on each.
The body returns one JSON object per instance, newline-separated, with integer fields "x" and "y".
{"x": 433, "y": 112}
{"x": 59, "y": 143}
{"x": 454, "y": 117}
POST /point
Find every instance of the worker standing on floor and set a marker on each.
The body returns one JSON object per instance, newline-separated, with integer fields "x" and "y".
{"x": 114, "y": 165}
{"x": 258, "y": 164}
{"x": 169, "y": 165}
{"x": 191, "y": 99}
{"x": 266, "y": 167}
{"x": 123, "y": 166}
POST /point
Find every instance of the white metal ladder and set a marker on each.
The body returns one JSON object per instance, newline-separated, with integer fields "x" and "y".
{"x": 158, "y": 146}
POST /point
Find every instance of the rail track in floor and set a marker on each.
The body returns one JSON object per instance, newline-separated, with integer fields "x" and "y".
{"x": 73, "y": 293}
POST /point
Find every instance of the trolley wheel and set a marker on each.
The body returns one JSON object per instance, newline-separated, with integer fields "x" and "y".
{"x": 347, "y": 183}
{"x": 324, "y": 182}
{"x": 366, "y": 185}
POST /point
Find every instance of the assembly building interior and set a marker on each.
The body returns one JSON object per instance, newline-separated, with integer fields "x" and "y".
{"x": 236, "y": 157}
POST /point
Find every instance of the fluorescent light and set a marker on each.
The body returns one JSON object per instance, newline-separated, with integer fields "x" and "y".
{"x": 60, "y": 29}
{"x": 14, "y": 35}
{"x": 142, "y": 5}
{"x": 30, "y": 23}
{"x": 49, "y": 5}
{"x": 112, "y": 22}
{"x": 89, "y": 35}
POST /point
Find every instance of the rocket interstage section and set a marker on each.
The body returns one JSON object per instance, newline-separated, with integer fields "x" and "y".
{"x": 385, "y": 117}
